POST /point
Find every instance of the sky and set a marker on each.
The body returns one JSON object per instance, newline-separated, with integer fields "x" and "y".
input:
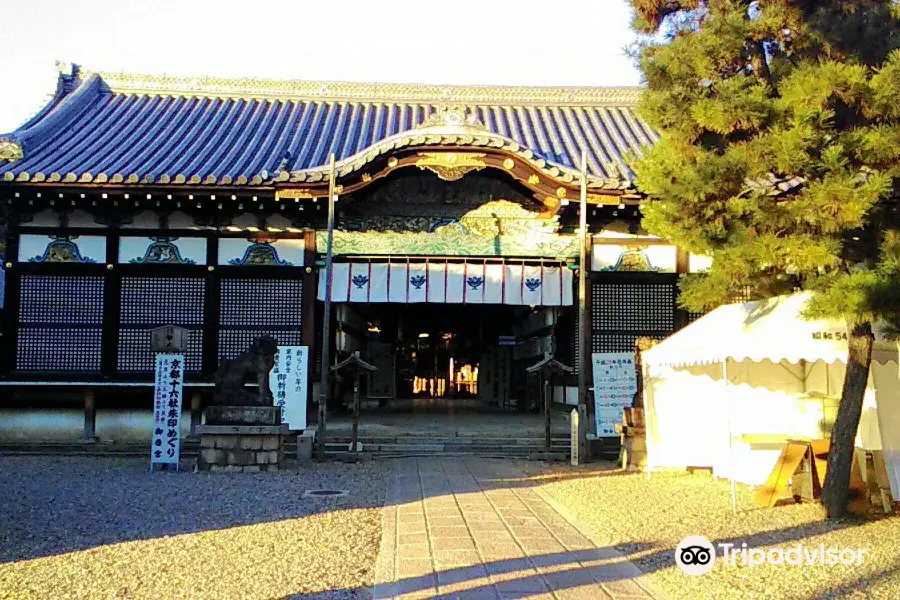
{"x": 479, "y": 42}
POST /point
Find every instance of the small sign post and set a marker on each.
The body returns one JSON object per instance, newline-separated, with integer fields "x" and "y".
{"x": 169, "y": 344}
{"x": 575, "y": 437}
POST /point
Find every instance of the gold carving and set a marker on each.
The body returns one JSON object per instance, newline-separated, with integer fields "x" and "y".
{"x": 451, "y": 166}
{"x": 292, "y": 194}
{"x": 560, "y": 192}
{"x": 534, "y": 180}
{"x": 11, "y": 151}
{"x": 392, "y": 162}
{"x": 509, "y": 163}
{"x": 451, "y": 116}
{"x": 366, "y": 178}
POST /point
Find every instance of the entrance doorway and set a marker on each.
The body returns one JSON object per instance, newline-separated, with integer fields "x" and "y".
{"x": 451, "y": 369}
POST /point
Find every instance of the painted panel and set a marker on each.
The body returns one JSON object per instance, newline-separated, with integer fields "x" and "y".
{"x": 699, "y": 264}
{"x": 246, "y": 252}
{"x": 634, "y": 258}
{"x": 58, "y": 248}
{"x": 162, "y": 250}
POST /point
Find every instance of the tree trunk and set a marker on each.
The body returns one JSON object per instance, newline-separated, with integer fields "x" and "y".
{"x": 836, "y": 492}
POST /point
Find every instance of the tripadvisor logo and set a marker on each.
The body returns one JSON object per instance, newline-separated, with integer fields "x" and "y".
{"x": 696, "y": 555}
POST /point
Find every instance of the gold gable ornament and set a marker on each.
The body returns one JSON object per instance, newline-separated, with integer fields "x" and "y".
{"x": 451, "y": 166}
{"x": 451, "y": 116}
{"x": 11, "y": 151}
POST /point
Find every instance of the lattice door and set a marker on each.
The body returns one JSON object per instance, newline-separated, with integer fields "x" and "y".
{"x": 623, "y": 312}
{"x": 150, "y": 302}
{"x": 60, "y": 323}
{"x": 250, "y": 308}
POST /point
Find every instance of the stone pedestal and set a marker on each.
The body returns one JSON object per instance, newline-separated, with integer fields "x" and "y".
{"x": 305, "y": 445}
{"x": 241, "y": 448}
{"x": 243, "y": 415}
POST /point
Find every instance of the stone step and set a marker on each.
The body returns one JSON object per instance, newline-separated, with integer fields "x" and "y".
{"x": 345, "y": 455}
{"x": 516, "y": 449}
{"x": 400, "y": 439}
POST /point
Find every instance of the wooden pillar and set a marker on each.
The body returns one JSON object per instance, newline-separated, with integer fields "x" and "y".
{"x": 548, "y": 402}
{"x": 355, "y": 441}
{"x": 90, "y": 417}
{"x": 9, "y": 341}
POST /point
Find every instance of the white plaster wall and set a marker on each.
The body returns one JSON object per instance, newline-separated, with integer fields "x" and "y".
{"x": 67, "y": 425}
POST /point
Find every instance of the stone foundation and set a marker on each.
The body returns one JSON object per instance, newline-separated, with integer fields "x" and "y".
{"x": 241, "y": 448}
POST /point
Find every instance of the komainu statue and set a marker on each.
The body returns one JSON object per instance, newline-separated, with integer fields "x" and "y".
{"x": 253, "y": 366}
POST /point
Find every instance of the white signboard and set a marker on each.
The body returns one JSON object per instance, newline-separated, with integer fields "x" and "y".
{"x": 615, "y": 383}
{"x": 287, "y": 381}
{"x": 166, "y": 445}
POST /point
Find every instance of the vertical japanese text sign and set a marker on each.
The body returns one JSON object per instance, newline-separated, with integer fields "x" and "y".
{"x": 287, "y": 381}
{"x": 615, "y": 383}
{"x": 166, "y": 445}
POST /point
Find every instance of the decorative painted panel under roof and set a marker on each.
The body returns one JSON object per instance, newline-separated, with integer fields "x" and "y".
{"x": 128, "y": 129}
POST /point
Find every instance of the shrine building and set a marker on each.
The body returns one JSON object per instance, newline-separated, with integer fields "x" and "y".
{"x": 137, "y": 201}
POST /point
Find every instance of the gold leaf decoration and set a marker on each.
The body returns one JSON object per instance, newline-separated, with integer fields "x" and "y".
{"x": 11, "y": 151}
{"x": 451, "y": 166}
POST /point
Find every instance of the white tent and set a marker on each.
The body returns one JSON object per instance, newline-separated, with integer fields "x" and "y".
{"x": 727, "y": 390}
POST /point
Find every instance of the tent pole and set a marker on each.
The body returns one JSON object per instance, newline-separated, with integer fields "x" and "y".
{"x": 730, "y": 436}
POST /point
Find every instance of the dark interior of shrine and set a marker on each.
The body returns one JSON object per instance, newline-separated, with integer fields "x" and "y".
{"x": 433, "y": 350}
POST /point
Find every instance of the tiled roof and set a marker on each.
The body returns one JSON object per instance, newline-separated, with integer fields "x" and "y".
{"x": 131, "y": 129}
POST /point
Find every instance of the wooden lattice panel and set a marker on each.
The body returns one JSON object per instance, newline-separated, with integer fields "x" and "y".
{"x": 250, "y": 308}
{"x": 633, "y": 306}
{"x": 150, "y": 302}
{"x": 60, "y": 323}
{"x": 617, "y": 342}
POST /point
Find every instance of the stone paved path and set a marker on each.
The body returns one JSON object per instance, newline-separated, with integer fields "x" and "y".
{"x": 472, "y": 528}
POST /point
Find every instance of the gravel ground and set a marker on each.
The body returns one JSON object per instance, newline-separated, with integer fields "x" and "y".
{"x": 106, "y": 528}
{"x": 646, "y": 519}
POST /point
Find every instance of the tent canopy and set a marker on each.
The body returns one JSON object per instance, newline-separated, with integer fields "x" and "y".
{"x": 770, "y": 329}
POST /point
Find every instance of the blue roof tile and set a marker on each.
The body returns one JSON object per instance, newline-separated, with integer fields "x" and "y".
{"x": 221, "y": 130}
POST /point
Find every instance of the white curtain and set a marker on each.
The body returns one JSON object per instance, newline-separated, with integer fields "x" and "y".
{"x": 475, "y": 282}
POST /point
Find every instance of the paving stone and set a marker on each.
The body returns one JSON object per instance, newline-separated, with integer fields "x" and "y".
{"x": 446, "y": 521}
{"x": 488, "y": 593}
{"x": 537, "y": 532}
{"x": 456, "y": 558}
{"x": 414, "y": 551}
{"x": 414, "y": 567}
{"x": 589, "y": 592}
{"x": 477, "y": 536}
{"x": 522, "y": 522}
{"x": 413, "y": 538}
{"x": 454, "y": 543}
{"x": 625, "y": 588}
{"x": 536, "y": 546}
{"x": 524, "y": 582}
{"x": 411, "y": 527}
{"x": 462, "y": 575}
{"x": 443, "y": 531}
{"x": 488, "y": 527}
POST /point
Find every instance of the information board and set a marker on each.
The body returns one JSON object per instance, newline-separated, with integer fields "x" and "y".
{"x": 165, "y": 447}
{"x": 287, "y": 380}
{"x": 615, "y": 383}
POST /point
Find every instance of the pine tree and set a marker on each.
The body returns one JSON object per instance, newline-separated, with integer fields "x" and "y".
{"x": 779, "y": 156}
